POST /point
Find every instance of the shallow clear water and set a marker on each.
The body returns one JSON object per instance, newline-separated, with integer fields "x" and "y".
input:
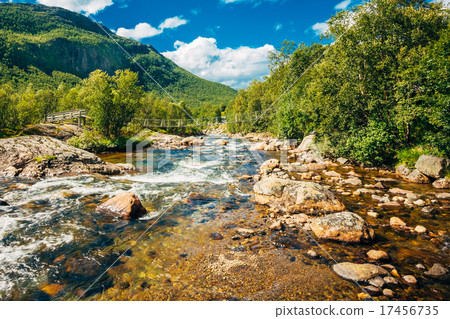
{"x": 54, "y": 245}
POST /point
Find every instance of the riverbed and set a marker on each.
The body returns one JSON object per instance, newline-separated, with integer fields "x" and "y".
{"x": 191, "y": 246}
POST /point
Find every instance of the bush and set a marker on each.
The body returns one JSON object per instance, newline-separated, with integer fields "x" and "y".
{"x": 409, "y": 156}
{"x": 93, "y": 141}
{"x": 373, "y": 145}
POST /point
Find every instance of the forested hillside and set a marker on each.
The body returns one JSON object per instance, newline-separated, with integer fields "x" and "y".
{"x": 46, "y": 46}
{"x": 379, "y": 93}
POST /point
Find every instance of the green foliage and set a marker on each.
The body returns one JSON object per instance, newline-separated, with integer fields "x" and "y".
{"x": 94, "y": 141}
{"x": 44, "y": 158}
{"x": 409, "y": 156}
{"x": 382, "y": 86}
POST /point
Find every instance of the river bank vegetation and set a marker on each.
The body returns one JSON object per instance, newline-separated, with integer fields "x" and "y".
{"x": 378, "y": 93}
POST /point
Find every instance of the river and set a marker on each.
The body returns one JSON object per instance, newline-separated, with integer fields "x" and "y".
{"x": 53, "y": 246}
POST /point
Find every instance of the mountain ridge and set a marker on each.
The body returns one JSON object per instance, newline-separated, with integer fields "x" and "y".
{"x": 59, "y": 45}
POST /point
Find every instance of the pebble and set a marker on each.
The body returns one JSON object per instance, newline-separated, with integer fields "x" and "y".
{"x": 396, "y": 222}
{"x": 420, "y": 229}
{"x": 429, "y": 210}
{"x": 379, "y": 185}
{"x": 364, "y": 296}
{"x": 276, "y": 226}
{"x": 216, "y": 236}
{"x": 312, "y": 253}
{"x": 388, "y": 293}
{"x": 372, "y": 214}
{"x": 371, "y": 290}
{"x": 420, "y": 266}
{"x": 388, "y": 280}
{"x": 395, "y": 273}
{"x": 377, "y": 282}
{"x": 377, "y": 254}
{"x": 420, "y": 203}
{"x": 437, "y": 271}
{"x": 410, "y": 280}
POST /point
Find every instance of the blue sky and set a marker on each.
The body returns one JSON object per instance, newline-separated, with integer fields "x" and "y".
{"x": 220, "y": 40}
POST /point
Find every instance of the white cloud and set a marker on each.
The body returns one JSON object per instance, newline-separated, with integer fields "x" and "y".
{"x": 233, "y": 67}
{"x": 140, "y": 31}
{"x": 145, "y": 30}
{"x": 343, "y": 5}
{"x": 320, "y": 28}
{"x": 172, "y": 23}
{"x": 85, "y": 6}
{"x": 278, "y": 26}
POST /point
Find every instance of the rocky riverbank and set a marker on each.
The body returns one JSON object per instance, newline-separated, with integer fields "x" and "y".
{"x": 41, "y": 156}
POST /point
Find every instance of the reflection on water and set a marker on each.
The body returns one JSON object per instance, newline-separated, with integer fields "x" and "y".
{"x": 54, "y": 245}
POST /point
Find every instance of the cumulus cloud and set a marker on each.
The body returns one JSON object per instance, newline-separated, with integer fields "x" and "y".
{"x": 233, "y": 67}
{"x": 343, "y": 5}
{"x": 85, "y": 6}
{"x": 145, "y": 30}
{"x": 320, "y": 28}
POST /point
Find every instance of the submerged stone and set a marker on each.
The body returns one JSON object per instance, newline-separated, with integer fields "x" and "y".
{"x": 126, "y": 205}
{"x": 358, "y": 272}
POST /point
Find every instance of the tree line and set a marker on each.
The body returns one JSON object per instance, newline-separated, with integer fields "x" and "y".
{"x": 378, "y": 89}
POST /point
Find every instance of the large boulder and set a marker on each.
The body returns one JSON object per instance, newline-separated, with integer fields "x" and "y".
{"x": 307, "y": 143}
{"x": 295, "y": 196}
{"x": 359, "y": 272}
{"x": 414, "y": 176}
{"x": 125, "y": 205}
{"x": 432, "y": 166}
{"x": 42, "y": 156}
{"x": 346, "y": 227}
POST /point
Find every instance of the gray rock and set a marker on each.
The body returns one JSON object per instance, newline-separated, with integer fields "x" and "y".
{"x": 358, "y": 272}
{"x": 437, "y": 270}
{"x": 377, "y": 282}
{"x": 295, "y": 196}
{"x": 443, "y": 183}
{"x": 41, "y": 156}
{"x": 431, "y": 166}
{"x": 345, "y": 227}
{"x": 414, "y": 176}
{"x": 342, "y": 160}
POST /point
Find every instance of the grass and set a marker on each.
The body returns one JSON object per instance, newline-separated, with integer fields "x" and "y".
{"x": 44, "y": 158}
{"x": 409, "y": 156}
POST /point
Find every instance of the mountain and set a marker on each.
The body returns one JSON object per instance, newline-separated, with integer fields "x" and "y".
{"x": 47, "y": 45}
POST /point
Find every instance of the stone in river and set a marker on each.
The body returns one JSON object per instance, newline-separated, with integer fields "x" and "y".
{"x": 396, "y": 222}
{"x": 414, "y": 176}
{"x": 364, "y": 296}
{"x": 295, "y": 196}
{"x": 372, "y": 290}
{"x": 372, "y": 214}
{"x": 420, "y": 266}
{"x": 216, "y": 236}
{"x": 125, "y": 205}
{"x": 276, "y": 226}
{"x": 377, "y": 282}
{"x": 420, "y": 229}
{"x": 312, "y": 254}
{"x": 437, "y": 270}
{"x": 388, "y": 293}
{"x": 399, "y": 191}
{"x": 442, "y": 183}
{"x": 377, "y": 254}
{"x": 221, "y": 142}
{"x": 345, "y": 226}
{"x": 358, "y": 272}
{"x": 431, "y": 166}
{"x": 410, "y": 280}
{"x": 354, "y": 181}
{"x": 379, "y": 185}
{"x": 443, "y": 195}
{"x": 388, "y": 280}
{"x": 342, "y": 160}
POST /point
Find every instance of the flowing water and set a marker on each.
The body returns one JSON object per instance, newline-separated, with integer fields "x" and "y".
{"x": 54, "y": 246}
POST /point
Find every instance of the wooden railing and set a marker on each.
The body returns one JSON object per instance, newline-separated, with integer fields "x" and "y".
{"x": 80, "y": 115}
